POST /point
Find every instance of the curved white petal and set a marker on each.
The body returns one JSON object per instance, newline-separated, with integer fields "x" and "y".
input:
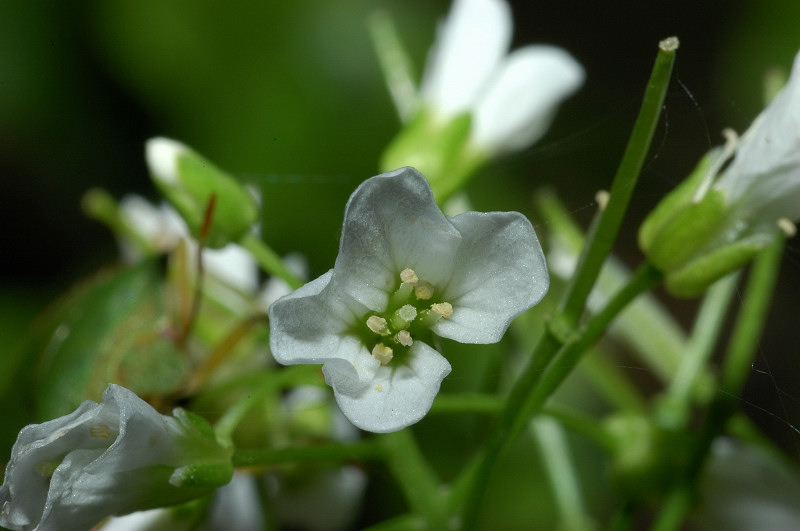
{"x": 311, "y": 325}
{"x": 391, "y": 223}
{"x": 469, "y": 46}
{"x": 765, "y": 173}
{"x": 499, "y": 272}
{"x": 519, "y": 104}
{"x": 397, "y": 397}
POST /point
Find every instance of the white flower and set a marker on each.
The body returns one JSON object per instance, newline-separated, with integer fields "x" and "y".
{"x": 115, "y": 457}
{"x": 405, "y": 271}
{"x": 512, "y": 96}
{"x": 763, "y": 180}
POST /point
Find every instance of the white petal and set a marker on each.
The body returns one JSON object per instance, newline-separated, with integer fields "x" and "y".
{"x": 391, "y": 223}
{"x": 766, "y": 171}
{"x": 397, "y": 397}
{"x": 311, "y": 325}
{"x": 469, "y": 46}
{"x": 499, "y": 272}
{"x": 162, "y": 158}
{"x": 233, "y": 265}
{"x": 524, "y": 94}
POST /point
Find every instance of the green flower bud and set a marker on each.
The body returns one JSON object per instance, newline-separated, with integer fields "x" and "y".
{"x": 190, "y": 183}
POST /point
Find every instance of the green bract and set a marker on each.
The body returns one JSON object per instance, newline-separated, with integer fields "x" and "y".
{"x": 189, "y": 182}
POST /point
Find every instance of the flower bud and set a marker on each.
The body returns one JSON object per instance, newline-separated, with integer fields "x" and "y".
{"x": 111, "y": 458}
{"x": 189, "y": 182}
{"x": 720, "y": 217}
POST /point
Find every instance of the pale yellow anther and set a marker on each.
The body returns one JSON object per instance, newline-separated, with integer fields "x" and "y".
{"x": 378, "y": 325}
{"x": 100, "y": 431}
{"x": 404, "y": 338}
{"x": 423, "y": 290}
{"x": 445, "y": 309}
{"x": 408, "y": 276}
{"x": 789, "y": 229}
{"x": 382, "y": 353}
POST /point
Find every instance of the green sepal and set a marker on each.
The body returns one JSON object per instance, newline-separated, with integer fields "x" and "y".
{"x": 655, "y": 224}
{"x": 693, "y": 278}
{"x": 197, "y": 180}
{"x": 431, "y": 146}
{"x": 202, "y": 475}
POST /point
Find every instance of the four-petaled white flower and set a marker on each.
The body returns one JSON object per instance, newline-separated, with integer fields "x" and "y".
{"x": 110, "y": 458}
{"x": 512, "y": 96}
{"x": 404, "y": 272}
{"x": 763, "y": 180}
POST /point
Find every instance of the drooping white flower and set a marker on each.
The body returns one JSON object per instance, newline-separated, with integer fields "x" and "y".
{"x": 405, "y": 271}
{"x": 115, "y": 457}
{"x": 512, "y": 96}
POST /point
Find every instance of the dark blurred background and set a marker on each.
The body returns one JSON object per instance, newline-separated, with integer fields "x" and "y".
{"x": 289, "y": 95}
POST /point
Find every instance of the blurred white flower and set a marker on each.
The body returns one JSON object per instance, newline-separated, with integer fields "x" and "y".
{"x": 512, "y": 96}
{"x": 743, "y": 488}
{"x": 115, "y": 457}
{"x": 163, "y": 228}
{"x": 404, "y": 272}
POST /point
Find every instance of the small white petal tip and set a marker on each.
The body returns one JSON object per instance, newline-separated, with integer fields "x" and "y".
{"x": 162, "y": 155}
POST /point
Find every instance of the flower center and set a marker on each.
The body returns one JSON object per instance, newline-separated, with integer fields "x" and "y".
{"x": 411, "y": 311}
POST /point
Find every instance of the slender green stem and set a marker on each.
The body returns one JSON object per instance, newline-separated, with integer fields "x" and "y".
{"x": 603, "y": 231}
{"x": 317, "y": 453}
{"x": 538, "y": 381}
{"x": 741, "y": 350}
{"x": 289, "y": 376}
{"x": 269, "y": 260}
{"x": 707, "y": 326}
{"x": 561, "y": 472}
{"x": 750, "y": 321}
{"x": 418, "y": 482}
{"x": 394, "y": 62}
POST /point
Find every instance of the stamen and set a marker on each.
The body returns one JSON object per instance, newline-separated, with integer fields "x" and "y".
{"x": 378, "y": 325}
{"x": 403, "y": 317}
{"x": 445, "y": 309}
{"x": 423, "y": 290}
{"x": 382, "y": 353}
{"x": 789, "y": 229}
{"x": 408, "y": 276}
{"x": 100, "y": 431}
{"x": 404, "y": 338}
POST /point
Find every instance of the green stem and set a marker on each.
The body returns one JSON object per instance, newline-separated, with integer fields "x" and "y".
{"x": 538, "y": 381}
{"x": 394, "y": 62}
{"x": 675, "y": 410}
{"x": 752, "y": 316}
{"x": 328, "y": 452}
{"x": 561, "y": 472}
{"x": 742, "y": 348}
{"x": 295, "y": 375}
{"x": 269, "y": 260}
{"x": 603, "y": 231}
{"x": 416, "y": 479}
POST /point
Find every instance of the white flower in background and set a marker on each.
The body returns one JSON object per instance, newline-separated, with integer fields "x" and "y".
{"x": 763, "y": 180}
{"x": 405, "y": 272}
{"x": 163, "y": 228}
{"x": 512, "y": 96}
{"x": 746, "y": 488}
{"x": 115, "y": 457}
